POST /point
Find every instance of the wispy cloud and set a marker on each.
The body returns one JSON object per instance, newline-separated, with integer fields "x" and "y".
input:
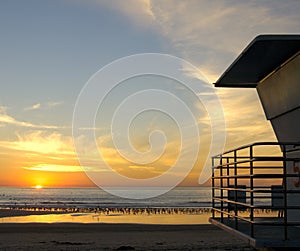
{"x": 3, "y": 109}
{"x": 139, "y": 11}
{"x": 7, "y": 119}
{"x": 245, "y": 118}
{"x": 89, "y": 129}
{"x": 210, "y": 34}
{"x": 54, "y": 104}
{"x": 33, "y": 107}
{"x": 63, "y": 168}
{"x": 39, "y": 106}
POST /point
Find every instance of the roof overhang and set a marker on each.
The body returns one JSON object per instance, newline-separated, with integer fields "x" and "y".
{"x": 261, "y": 57}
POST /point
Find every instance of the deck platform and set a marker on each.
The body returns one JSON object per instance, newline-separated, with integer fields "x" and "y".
{"x": 265, "y": 236}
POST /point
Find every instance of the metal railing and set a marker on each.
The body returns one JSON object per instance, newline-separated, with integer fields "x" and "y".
{"x": 256, "y": 185}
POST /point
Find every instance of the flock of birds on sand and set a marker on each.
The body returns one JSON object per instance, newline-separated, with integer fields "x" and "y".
{"x": 116, "y": 210}
{"x": 125, "y": 210}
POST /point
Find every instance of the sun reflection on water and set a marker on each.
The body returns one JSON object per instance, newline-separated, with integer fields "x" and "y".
{"x": 112, "y": 218}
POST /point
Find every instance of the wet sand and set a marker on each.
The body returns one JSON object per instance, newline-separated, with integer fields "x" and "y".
{"x": 102, "y": 236}
{"x": 16, "y": 212}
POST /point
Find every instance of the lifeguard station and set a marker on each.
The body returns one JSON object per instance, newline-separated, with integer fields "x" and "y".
{"x": 263, "y": 178}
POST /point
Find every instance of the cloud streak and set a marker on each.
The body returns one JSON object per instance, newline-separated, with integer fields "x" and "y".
{"x": 7, "y": 119}
{"x": 62, "y": 168}
{"x": 54, "y": 104}
{"x": 139, "y": 11}
{"x": 39, "y": 106}
{"x": 210, "y": 34}
{"x": 42, "y": 143}
{"x": 33, "y": 107}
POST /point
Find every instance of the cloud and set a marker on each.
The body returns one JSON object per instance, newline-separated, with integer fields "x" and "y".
{"x": 54, "y": 104}
{"x": 7, "y": 119}
{"x": 245, "y": 119}
{"x": 138, "y": 11}
{"x": 148, "y": 169}
{"x": 3, "y": 109}
{"x": 210, "y": 34}
{"x": 33, "y": 107}
{"x": 42, "y": 143}
{"x": 62, "y": 168}
{"x": 90, "y": 129}
{"x": 39, "y": 106}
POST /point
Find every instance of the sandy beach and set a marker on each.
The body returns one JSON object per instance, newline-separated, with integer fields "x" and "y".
{"x": 101, "y": 236}
{"x": 116, "y": 237}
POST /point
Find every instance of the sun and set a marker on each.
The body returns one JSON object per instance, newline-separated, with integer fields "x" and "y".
{"x": 38, "y": 187}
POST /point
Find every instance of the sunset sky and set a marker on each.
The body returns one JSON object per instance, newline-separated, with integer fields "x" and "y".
{"x": 49, "y": 50}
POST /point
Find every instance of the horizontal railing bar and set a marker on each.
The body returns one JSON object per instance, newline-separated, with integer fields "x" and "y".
{"x": 256, "y": 190}
{"x": 260, "y": 158}
{"x": 233, "y": 163}
{"x": 255, "y": 206}
{"x": 266, "y": 158}
{"x": 255, "y": 197}
{"x": 232, "y": 189}
{"x": 272, "y": 209}
{"x": 256, "y": 159}
{"x": 259, "y": 144}
{"x": 267, "y": 223}
{"x": 246, "y": 157}
{"x": 246, "y": 167}
{"x": 230, "y": 176}
{"x": 257, "y": 176}
{"x": 233, "y": 215}
{"x": 233, "y": 202}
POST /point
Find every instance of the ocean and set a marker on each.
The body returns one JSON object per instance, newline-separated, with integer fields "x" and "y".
{"x": 180, "y": 197}
{"x": 182, "y": 205}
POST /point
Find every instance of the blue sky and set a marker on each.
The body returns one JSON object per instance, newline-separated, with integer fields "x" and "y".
{"x": 49, "y": 49}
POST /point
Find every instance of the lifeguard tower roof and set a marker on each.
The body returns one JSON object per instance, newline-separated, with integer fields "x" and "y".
{"x": 260, "y": 58}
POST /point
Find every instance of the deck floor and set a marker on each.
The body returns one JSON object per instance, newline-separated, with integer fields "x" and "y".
{"x": 264, "y": 235}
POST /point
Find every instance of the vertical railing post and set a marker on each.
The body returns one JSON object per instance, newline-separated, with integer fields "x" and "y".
{"x": 285, "y": 193}
{"x": 251, "y": 192}
{"x": 221, "y": 191}
{"x": 213, "y": 186}
{"x": 228, "y": 182}
{"x": 235, "y": 190}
